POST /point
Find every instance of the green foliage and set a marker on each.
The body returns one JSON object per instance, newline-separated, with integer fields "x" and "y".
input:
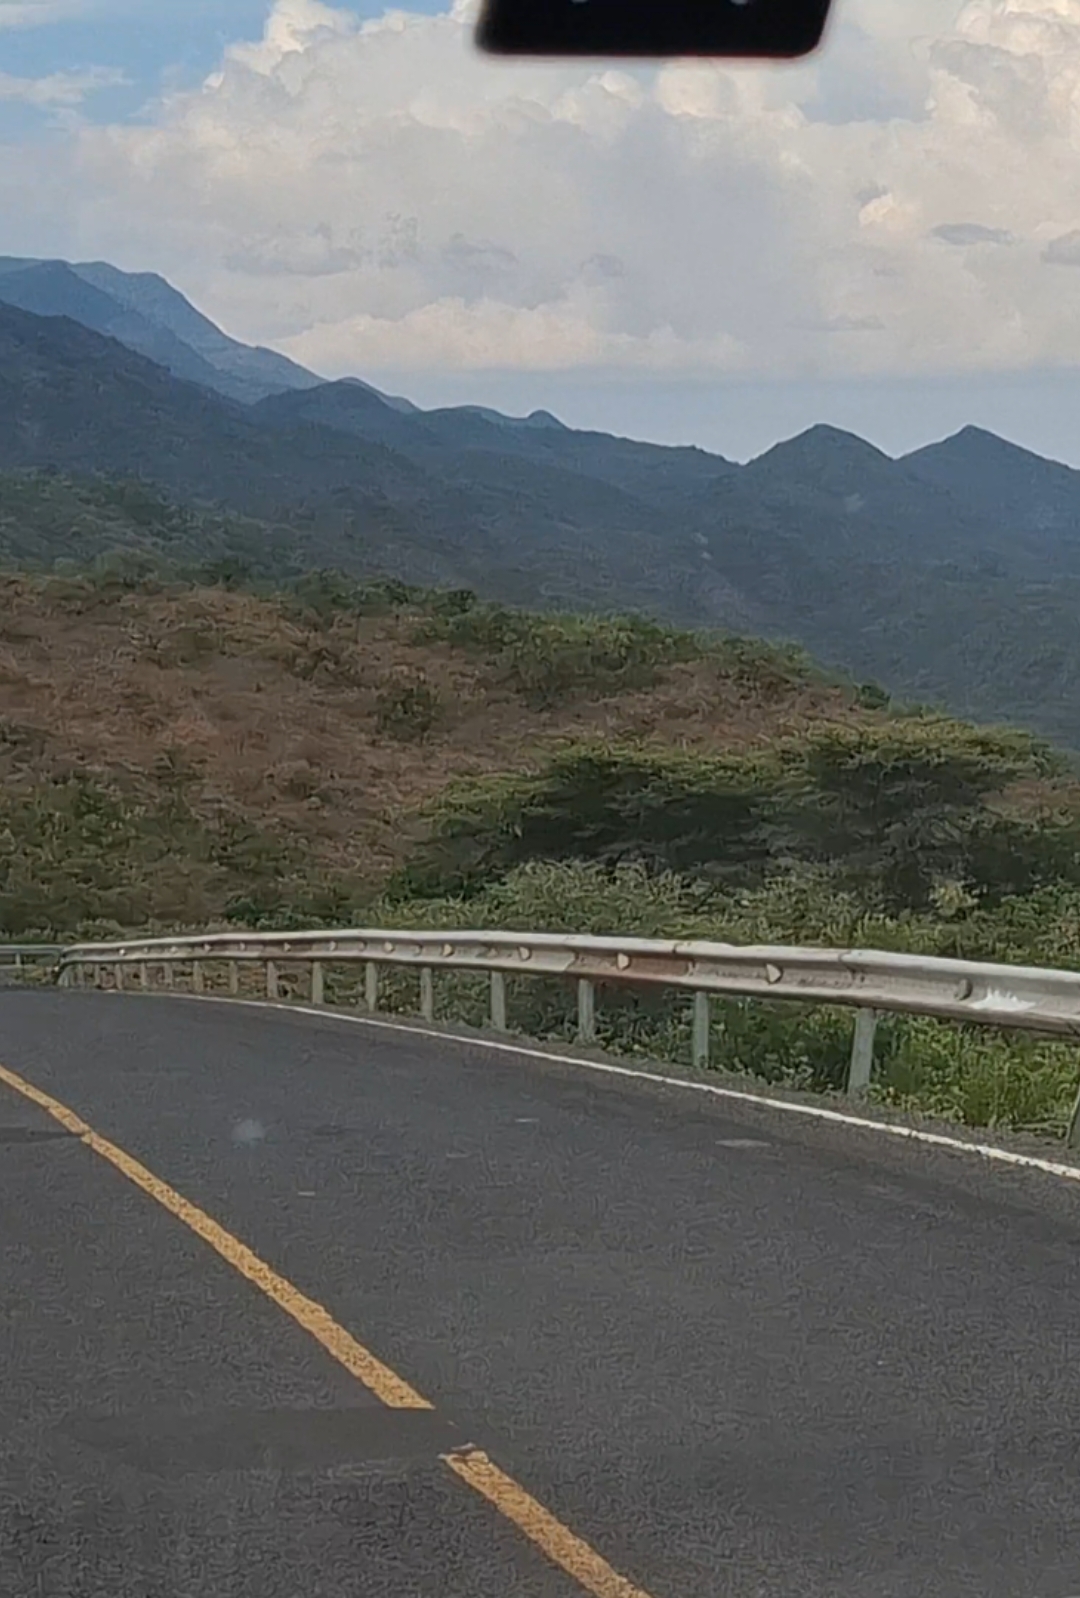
{"x": 978, "y": 1077}
{"x": 140, "y": 503}
{"x": 902, "y": 806}
{"x": 549, "y": 659}
{"x": 767, "y": 668}
{"x": 449, "y": 602}
{"x": 121, "y": 532}
{"x": 80, "y": 853}
{"x": 594, "y": 802}
{"x": 407, "y": 708}
{"x": 552, "y": 658}
{"x": 76, "y": 850}
{"x": 891, "y": 811}
{"x": 318, "y": 598}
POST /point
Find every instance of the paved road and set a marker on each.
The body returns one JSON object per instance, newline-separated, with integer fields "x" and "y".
{"x": 732, "y": 1355}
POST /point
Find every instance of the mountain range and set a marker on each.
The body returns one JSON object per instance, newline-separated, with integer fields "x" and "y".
{"x": 951, "y": 574}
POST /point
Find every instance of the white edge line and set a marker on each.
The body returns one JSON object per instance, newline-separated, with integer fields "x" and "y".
{"x": 817, "y": 1112}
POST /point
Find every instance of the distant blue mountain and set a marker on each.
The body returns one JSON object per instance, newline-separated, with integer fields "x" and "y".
{"x": 144, "y": 312}
{"x": 149, "y": 316}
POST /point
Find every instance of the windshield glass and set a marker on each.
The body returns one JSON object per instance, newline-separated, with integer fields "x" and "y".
{"x": 539, "y": 807}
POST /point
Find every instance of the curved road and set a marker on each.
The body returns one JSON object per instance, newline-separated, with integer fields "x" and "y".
{"x": 676, "y": 1347}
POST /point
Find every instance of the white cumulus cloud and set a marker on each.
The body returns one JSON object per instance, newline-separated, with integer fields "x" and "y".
{"x": 35, "y": 13}
{"x": 58, "y": 88}
{"x": 376, "y": 195}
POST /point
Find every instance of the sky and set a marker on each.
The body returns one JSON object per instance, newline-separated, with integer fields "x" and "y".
{"x": 885, "y": 237}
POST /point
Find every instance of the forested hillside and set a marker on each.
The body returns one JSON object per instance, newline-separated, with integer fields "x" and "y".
{"x": 951, "y": 576}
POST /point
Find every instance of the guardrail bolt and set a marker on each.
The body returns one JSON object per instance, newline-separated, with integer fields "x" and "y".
{"x": 316, "y": 982}
{"x": 498, "y": 1001}
{"x": 701, "y": 1031}
{"x": 862, "y": 1053}
{"x": 427, "y": 994}
{"x": 586, "y": 1011}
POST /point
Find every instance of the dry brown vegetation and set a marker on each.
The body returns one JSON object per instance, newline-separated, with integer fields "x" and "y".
{"x": 286, "y": 720}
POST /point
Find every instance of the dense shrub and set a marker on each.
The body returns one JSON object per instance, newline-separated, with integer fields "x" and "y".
{"x": 892, "y": 810}
{"x": 407, "y": 708}
{"x": 548, "y": 659}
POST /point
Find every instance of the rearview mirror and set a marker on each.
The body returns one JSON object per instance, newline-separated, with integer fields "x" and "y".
{"x": 659, "y": 28}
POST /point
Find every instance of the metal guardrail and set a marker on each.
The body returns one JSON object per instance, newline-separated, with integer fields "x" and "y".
{"x": 16, "y": 957}
{"x": 1026, "y": 998}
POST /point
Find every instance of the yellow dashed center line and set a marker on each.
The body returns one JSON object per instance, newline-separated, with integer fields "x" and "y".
{"x": 471, "y": 1465}
{"x": 558, "y": 1541}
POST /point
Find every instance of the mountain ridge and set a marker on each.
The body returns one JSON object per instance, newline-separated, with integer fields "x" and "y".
{"x": 951, "y": 573}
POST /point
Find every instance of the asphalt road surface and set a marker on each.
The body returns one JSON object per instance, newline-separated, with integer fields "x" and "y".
{"x": 671, "y": 1346}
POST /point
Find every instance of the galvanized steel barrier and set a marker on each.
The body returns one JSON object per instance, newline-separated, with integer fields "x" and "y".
{"x": 18, "y": 954}
{"x": 16, "y": 958}
{"x": 1025, "y": 998}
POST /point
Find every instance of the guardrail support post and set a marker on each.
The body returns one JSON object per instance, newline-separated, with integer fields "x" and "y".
{"x": 234, "y": 977}
{"x": 586, "y": 1011}
{"x": 316, "y": 982}
{"x": 498, "y": 1001}
{"x": 862, "y": 1052}
{"x": 701, "y": 1031}
{"x": 427, "y": 994}
{"x": 371, "y": 985}
{"x": 271, "y": 980}
{"x": 143, "y": 983}
{"x": 118, "y": 976}
{"x": 196, "y": 976}
{"x": 167, "y": 974}
{"x": 1072, "y": 1131}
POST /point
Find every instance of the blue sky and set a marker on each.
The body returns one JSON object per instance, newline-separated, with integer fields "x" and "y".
{"x": 886, "y": 237}
{"x": 155, "y": 43}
